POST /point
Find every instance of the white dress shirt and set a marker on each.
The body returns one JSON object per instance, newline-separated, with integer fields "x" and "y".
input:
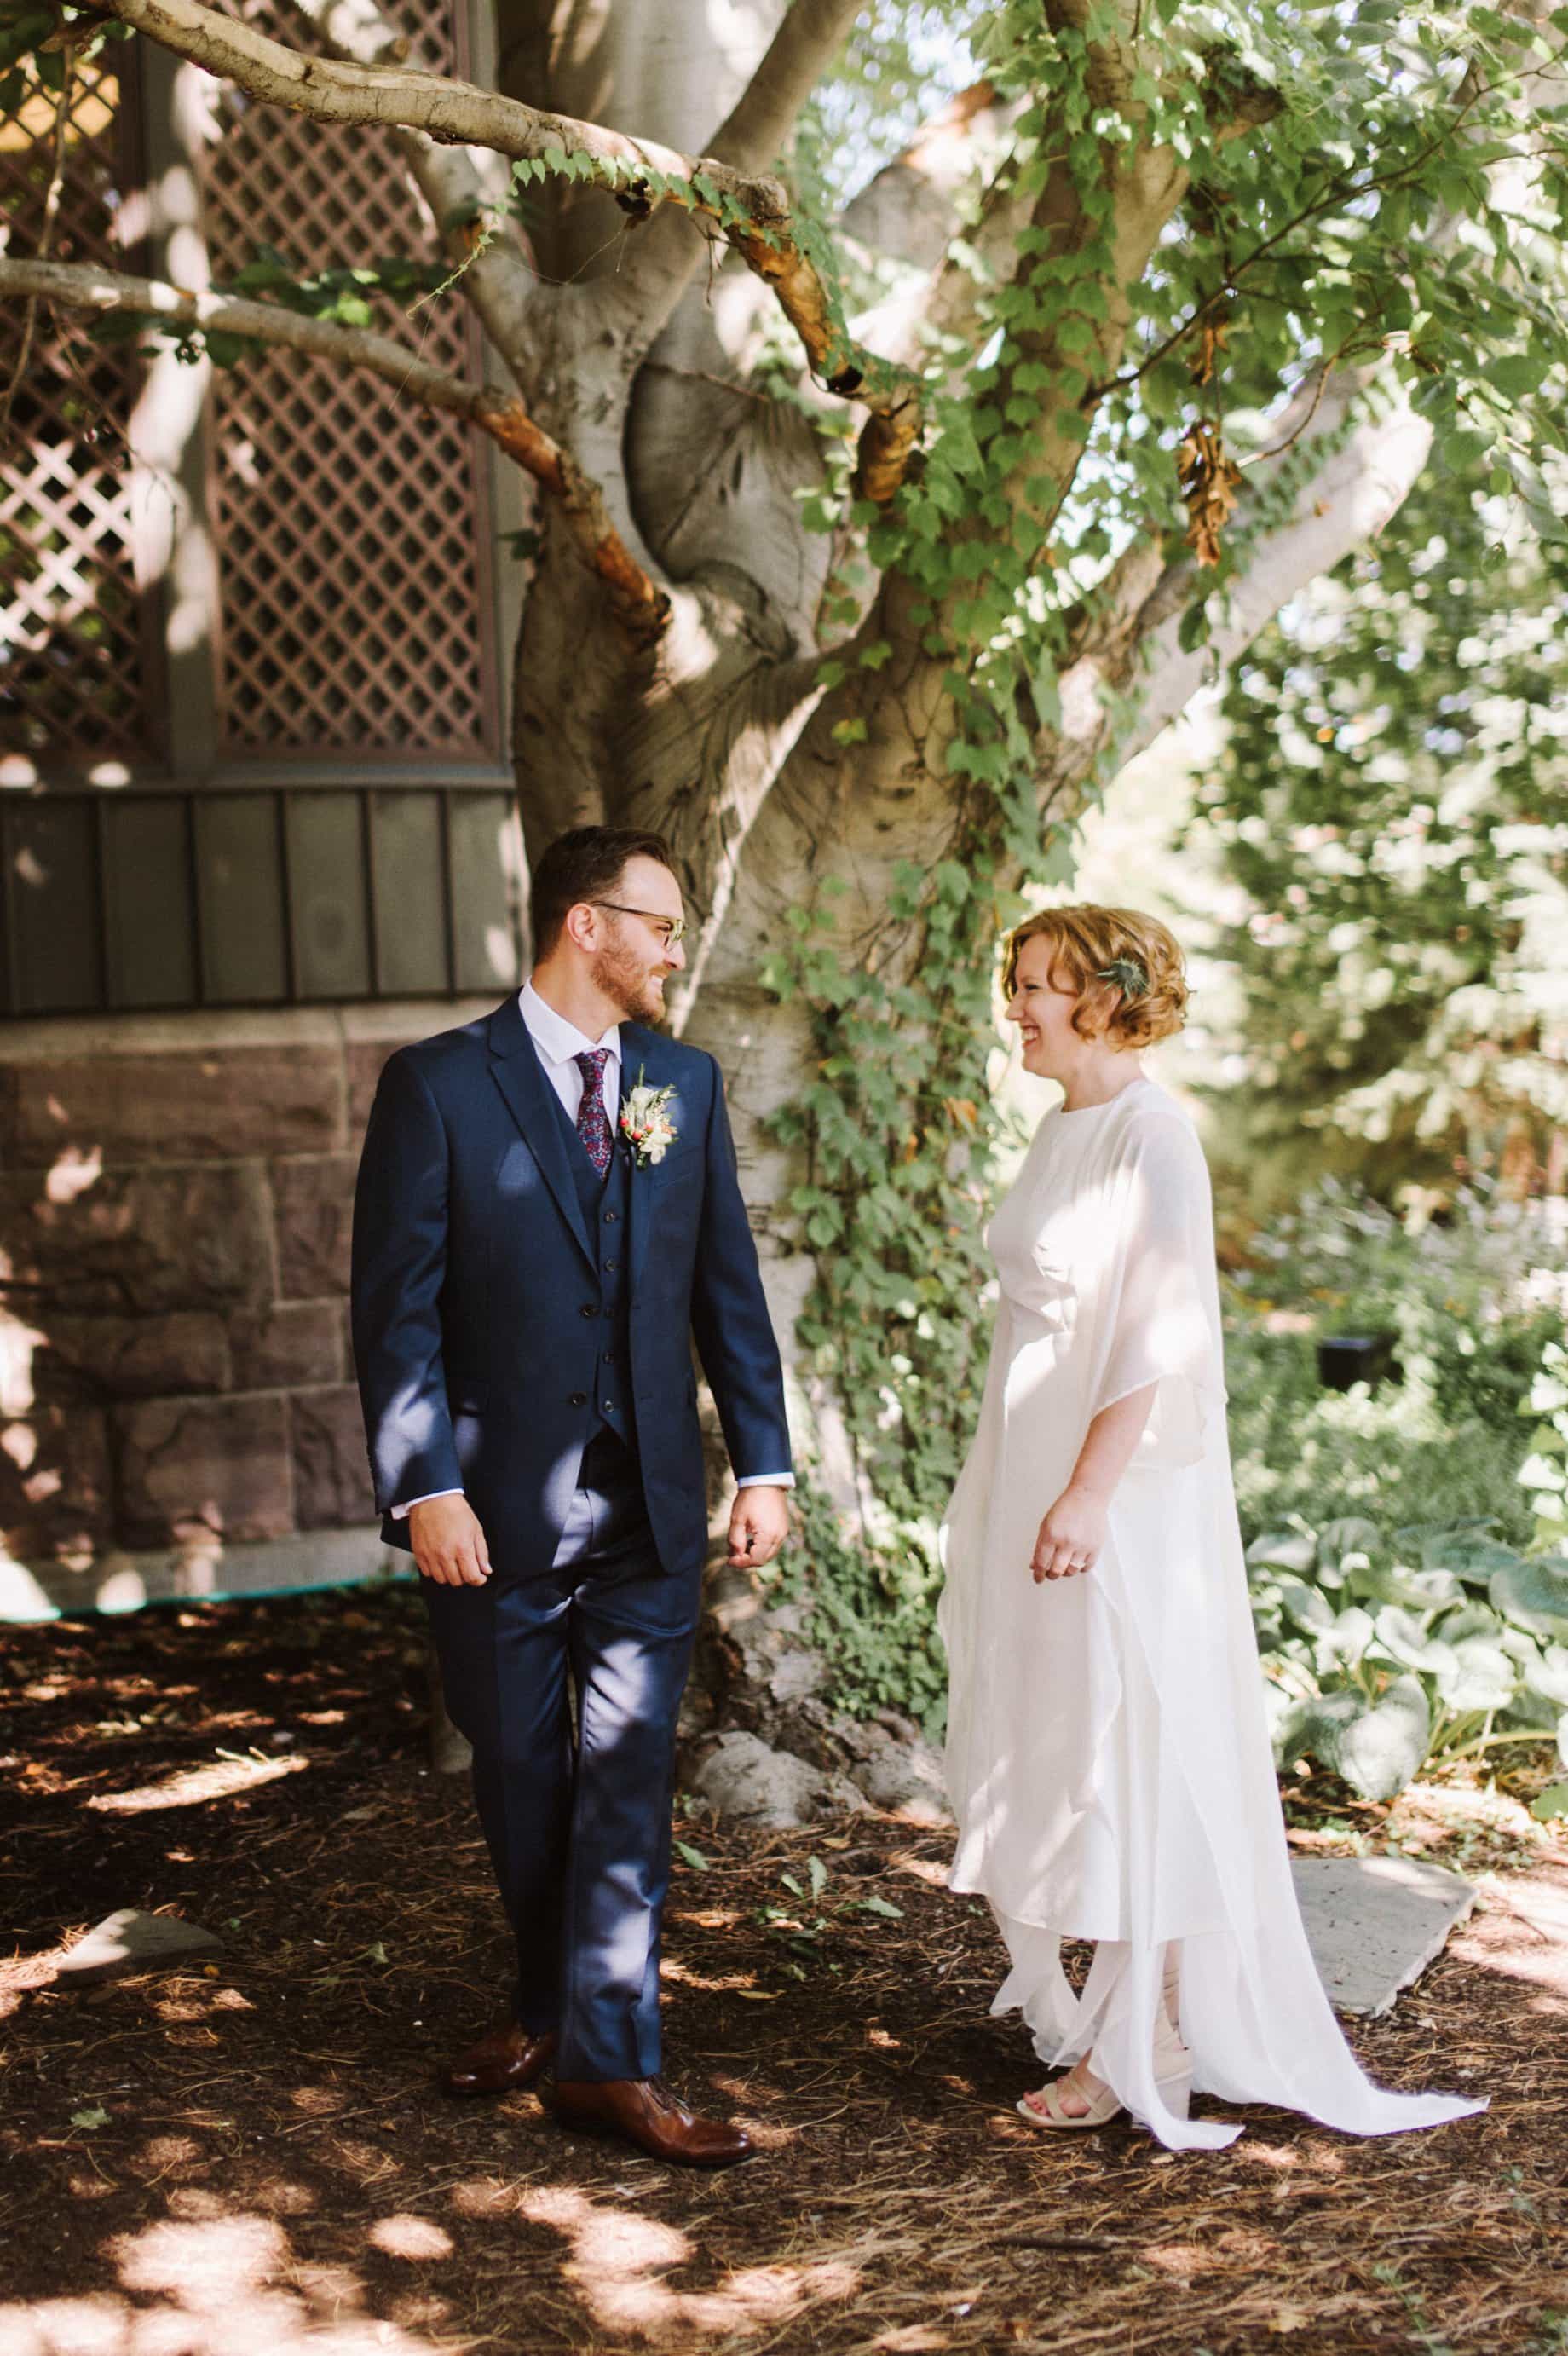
{"x": 559, "y": 1043}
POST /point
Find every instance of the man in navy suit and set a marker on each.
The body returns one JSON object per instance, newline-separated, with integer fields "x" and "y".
{"x": 536, "y": 1246}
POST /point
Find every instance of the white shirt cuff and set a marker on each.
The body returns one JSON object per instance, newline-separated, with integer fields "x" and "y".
{"x": 401, "y": 1513}
{"x": 752, "y": 1480}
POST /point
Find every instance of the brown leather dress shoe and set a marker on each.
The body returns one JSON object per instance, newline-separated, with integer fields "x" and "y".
{"x": 643, "y": 2112}
{"x": 506, "y": 2057}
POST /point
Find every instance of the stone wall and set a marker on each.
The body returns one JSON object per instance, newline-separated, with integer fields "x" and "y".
{"x": 174, "y": 1209}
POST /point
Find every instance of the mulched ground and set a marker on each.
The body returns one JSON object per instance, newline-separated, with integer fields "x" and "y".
{"x": 252, "y": 2159}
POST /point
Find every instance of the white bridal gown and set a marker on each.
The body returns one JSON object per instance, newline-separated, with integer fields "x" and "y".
{"x": 1107, "y": 1754}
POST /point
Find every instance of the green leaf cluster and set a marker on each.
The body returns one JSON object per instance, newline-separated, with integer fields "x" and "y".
{"x": 1406, "y": 1607}
{"x": 1392, "y": 810}
{"x": 1383, "y": 1652}
{"x": 345, "y": 296}
{"x": 1473, "y": 1300}
{"x": 897, "y": 1132}
{"x": 26, "y": 68}
{"x": 1544, "y": 1472}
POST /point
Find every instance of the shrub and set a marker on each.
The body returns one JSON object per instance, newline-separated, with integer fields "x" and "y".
{"x": 1382, "y": 1654}
{"x": 1474, "y": 1302}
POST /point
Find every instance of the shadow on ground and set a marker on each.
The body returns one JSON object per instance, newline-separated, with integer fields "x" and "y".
{"x": 249, "y": 2159}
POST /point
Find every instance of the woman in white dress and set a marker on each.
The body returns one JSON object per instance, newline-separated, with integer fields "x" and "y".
{"x": 1107, "y": 1754}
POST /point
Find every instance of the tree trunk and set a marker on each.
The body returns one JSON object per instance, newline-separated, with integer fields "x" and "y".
{"x": 719, "y": 732}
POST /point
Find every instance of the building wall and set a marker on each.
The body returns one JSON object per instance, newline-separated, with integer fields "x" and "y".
{"x": 254, "y": 694}
{"x": 176, "y": 1373}
{"x": 256, "y": 830}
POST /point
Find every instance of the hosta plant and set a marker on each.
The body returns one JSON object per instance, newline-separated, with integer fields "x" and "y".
{"x": 1383, "y": 1651}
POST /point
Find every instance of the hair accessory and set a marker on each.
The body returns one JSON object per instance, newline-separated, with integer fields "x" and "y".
{"x": 1128, "y": 976}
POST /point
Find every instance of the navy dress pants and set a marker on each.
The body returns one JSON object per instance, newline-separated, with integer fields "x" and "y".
{"x": 577, "y": 1817}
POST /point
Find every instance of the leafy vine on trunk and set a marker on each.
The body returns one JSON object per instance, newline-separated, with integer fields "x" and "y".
{"x": 897, "y": 1126}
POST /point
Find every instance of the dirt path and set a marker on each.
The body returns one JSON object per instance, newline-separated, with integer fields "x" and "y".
{"x": 251, "y": 2160}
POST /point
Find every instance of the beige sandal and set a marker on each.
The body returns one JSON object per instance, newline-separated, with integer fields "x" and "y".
{"x": 1172, "y": 2070}
{"x": 1104, "y": 2107}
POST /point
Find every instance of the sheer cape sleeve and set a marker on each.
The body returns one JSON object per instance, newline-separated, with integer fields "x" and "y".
{"x": 1157, "y": 1320}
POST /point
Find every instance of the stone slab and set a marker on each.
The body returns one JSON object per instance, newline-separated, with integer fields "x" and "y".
{"x": 132, "y": 1357}
{"x": 86, "y": 1241}
{"x": 49, "y": 1038}
{"x": 193, "y": 1467}
{"x": 55, "y": 1483}
{"x": 288, "y": 1345}
{"x": 189, "y": 1105}
{"x": 1376, "y": 1922}
{"x": 34, "y": 1591}
{"x": 315, "y": 1199}
{"x": 332, "y": 1471}
{"x": 364, "y": 1062}
{"x": 129, "y": 1942}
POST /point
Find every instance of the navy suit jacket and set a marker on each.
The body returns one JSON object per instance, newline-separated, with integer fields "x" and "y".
{"x": 473, "y": 1264}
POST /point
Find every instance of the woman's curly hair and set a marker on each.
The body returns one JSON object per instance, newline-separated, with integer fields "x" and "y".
{"x": 1086, "y": 942}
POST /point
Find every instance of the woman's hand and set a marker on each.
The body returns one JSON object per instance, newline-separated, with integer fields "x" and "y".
{"x": 1070, "y": 1536}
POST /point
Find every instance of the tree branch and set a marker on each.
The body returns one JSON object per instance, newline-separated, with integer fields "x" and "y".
{"x": 1129, "y": 643}
{"x": 495, "y": 281}
{"x": 638, "y": 605}
{"x": 908, "y": 210}
{"x": 1070, "y": 350}
{"x": 755, "y": 131}
{"x": 750, "y": 138}
{"x": 750, "y": 212}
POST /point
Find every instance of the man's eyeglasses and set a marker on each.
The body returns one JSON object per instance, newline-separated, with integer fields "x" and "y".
{"x": 672, "y": 928}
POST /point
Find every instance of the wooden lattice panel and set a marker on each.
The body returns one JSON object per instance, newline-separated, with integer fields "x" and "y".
{"x": 73, "y": 681}
{"x": 350, "y": 526}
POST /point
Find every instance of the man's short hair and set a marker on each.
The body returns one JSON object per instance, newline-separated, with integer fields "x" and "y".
{"x": 586, "y": 865}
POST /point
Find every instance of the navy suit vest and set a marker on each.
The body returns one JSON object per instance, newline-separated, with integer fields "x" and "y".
{"x": 605, "y": 1203}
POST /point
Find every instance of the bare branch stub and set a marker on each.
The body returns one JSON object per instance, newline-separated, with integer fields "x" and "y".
{"x": 892, "y": 395}
{"x": 887, "y": 441}
{"x": 640, "y": 606}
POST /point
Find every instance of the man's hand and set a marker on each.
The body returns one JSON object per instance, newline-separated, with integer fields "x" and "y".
{"x": 759, "y": 1525}
{"x": 449, "y": 1544}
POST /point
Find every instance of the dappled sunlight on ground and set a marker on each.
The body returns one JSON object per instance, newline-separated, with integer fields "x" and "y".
{"x": 1472, "y": 1815}
{"x": 219, "y": 2285}
{"x": 618, "y": 2259}
{"x": 195, "y": 1786}
{"x": 250, "y": 2157}
{"x": 1519, "y": 1929}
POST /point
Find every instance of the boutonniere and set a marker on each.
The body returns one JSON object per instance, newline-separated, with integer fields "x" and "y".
{"x": 645, "y": 1124}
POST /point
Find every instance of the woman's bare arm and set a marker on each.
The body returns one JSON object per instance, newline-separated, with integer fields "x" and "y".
{"x": 1073, "y": 1531}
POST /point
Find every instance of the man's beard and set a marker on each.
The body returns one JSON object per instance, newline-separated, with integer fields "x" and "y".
{"x": 626, "y": 980}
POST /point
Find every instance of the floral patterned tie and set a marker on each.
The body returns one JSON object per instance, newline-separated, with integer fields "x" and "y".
{"x": 593, "y": 1121}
